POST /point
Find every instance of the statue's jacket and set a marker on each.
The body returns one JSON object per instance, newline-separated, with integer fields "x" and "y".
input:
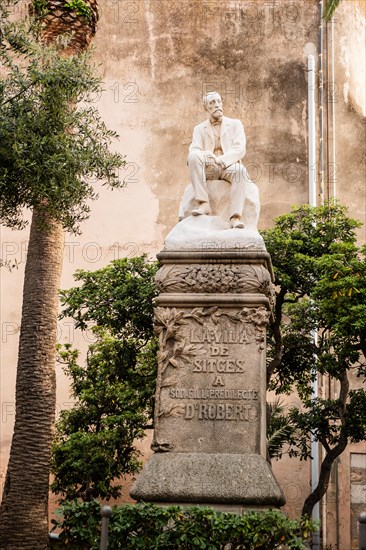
{"x": 232, "y": 137}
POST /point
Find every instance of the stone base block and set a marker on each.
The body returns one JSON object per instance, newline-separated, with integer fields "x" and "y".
{"x": 202, "y": 478}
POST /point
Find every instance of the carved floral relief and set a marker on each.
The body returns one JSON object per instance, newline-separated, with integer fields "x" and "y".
{"x": 214, "y": 278}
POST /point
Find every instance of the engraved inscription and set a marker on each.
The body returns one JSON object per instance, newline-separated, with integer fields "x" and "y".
{"x": 206, "y": 357}
{"x": 219, "y": 411}
{"x": 218, "y": 365}
{"x": 222, "y": 334}
{"x": 206, "y": 393}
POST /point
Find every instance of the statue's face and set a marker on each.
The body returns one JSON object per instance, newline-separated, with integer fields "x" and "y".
{"x": 214, "y": 106}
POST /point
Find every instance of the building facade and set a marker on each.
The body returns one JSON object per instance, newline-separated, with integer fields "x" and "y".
{"x": 157, "y": 59}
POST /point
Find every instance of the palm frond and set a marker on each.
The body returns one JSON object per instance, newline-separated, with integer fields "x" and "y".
{"x": 278, "y": 439}
{"x": 279, "y": 429}
{"x": 330, "y": 8}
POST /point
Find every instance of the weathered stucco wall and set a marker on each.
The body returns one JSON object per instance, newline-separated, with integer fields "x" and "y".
{"x": 162, "y": 56}
{"x": 349, "y": 96}
{"x": 350, "y": 107}
{"x": 157, "y": 58}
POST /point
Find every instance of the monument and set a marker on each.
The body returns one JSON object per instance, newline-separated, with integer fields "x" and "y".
{"x": 216, "y": 295}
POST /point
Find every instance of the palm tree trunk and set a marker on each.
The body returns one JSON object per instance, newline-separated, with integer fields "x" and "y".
{"x": 24, "y": 509}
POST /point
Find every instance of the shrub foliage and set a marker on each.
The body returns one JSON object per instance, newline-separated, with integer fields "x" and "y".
{"x": 148, "y": 526}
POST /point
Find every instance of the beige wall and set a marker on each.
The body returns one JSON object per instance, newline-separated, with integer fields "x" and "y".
{"x": 171, "y": 52}
{"x": 157, "y": 58}
{"x": 350, "y": 107}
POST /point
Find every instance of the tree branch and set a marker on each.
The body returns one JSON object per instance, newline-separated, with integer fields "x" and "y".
{"x": 19, "y": 93}
{"x": 332, "y": 454}
{"x": 276, "y": 327}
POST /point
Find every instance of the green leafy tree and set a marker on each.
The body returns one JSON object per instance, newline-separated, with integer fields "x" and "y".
{"x": 320, "y": 287}
{"x": 51, "y": 148}
{"x": 94, "y": 443}
{"x": 320, "y": 276}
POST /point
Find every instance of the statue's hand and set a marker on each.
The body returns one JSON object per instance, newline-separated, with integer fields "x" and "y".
{"x": 220, "y": 163}
{"x": 210, "y": 157}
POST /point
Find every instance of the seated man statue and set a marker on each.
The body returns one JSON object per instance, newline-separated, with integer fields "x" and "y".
{"x": 217, "y": 147}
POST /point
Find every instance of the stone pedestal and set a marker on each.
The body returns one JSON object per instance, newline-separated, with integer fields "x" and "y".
{"x": 210, "y": 408}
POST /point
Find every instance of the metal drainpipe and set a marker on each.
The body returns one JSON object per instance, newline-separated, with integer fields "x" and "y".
{"x": 334, "y": 177}
{"x": 321, "y": 101}
{"x": 327, "y": 124}
{"x": 337, "y": 503}
{"x": 324, "y": 105}
{"x": 333, "y": 103}
{"x": 311, "y": 131}
{"x": 312, "y": 202}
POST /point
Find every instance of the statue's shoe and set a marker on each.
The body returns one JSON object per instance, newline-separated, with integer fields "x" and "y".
{"x": 236, "y": 223}
{"x": 203, "y": 208}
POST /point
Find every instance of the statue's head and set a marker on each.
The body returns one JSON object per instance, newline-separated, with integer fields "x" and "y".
{"x": 212, "y": 102}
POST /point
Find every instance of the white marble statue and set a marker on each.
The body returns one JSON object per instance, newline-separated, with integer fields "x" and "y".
{"x": 220, "y": 208}
{"x": 217, "y": 147}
